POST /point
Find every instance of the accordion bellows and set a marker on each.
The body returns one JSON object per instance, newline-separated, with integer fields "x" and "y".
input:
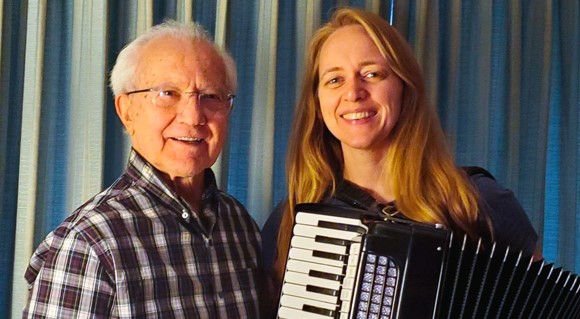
{"x": 343, "y": 264}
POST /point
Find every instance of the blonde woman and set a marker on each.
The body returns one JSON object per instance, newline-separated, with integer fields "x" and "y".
{"x": 364, "y": 135}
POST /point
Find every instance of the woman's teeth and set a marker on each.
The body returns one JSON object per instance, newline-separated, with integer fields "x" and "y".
{"x": 357, "y": 115}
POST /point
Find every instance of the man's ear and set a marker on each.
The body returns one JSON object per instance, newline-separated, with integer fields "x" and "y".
{"x": 122, "y": 106}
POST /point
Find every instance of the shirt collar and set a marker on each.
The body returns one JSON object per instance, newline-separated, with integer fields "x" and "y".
{"x": 148, "y": 177}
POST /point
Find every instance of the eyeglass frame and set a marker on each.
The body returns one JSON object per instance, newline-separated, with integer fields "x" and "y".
{"x": 229, "y": 97}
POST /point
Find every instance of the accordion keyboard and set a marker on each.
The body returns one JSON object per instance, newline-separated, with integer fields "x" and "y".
{"x": 322, "y": 266}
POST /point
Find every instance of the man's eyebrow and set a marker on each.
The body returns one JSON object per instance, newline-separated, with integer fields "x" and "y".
{"x": 165, "y": 85}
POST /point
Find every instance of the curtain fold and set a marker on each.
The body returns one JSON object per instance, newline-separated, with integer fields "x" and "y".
{"x": 28, "y": 167}
{"x": 503, "y": 75}
{"x": 14, "y": 30}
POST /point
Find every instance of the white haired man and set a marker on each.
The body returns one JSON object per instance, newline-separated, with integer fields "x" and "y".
{"x": 162, "y": 241}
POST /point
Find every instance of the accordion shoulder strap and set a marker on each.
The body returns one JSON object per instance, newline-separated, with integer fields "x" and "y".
{"x": 474, "y": 170}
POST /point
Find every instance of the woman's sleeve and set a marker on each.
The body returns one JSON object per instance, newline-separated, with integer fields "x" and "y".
{"x": 270, "y": 236}
{"x": 511, "y": 225}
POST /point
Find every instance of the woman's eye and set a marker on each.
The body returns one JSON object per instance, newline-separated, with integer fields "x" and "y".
{"x": 370, "y": 75}
{"x": 375, "y": 76}
{"x": 333, "y": 81}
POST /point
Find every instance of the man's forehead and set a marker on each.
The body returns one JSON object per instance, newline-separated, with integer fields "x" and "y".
{"x": 169, "y": 48}
{"x": 173, "y": 59}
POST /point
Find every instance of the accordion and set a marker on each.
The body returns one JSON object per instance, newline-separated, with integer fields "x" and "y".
{"x": 344, "y": 264}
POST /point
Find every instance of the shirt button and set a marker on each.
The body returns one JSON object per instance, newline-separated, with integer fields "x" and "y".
{"x": 184, "y": 215}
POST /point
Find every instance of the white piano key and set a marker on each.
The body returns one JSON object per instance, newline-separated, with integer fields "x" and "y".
{"x": 301, "y": 262}
{"x": 290, "y": 313}
{"x": 354, "y": 250}
{"x": 349, "y": 281}
{"x": 299, "y": 303}
{"x": 314, "y": 219}
{"x": 306, "y": 267}
{"x": 345, "y": 308}
{"x": 311, "y": 244}
{"x": 351, "y": 271}
{"x": 304, "y": 279}
{"x": 312, "y": 231}
{"x": 346, "y": 295}
{"x": 306, "y": 255}
{"x": 300, "y": 291}
{"x": 344, "y": 315}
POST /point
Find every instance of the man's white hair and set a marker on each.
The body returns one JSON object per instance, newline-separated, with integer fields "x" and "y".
{"x": 125, "y": 68}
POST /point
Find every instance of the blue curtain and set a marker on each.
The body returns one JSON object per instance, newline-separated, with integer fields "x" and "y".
{"x": 504, "y": 76}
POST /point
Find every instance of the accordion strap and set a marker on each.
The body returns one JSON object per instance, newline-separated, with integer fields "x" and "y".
{"x": 353, "y": 195}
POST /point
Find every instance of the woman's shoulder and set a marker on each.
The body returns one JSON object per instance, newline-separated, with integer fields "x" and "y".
{"x": 511, "y": 224}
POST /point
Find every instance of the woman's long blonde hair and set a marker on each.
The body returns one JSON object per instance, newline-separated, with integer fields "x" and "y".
{"x": 427, "y": 184}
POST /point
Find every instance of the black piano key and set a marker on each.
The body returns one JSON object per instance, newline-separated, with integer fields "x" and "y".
{"x": 320, "y": 290}
{"x": 324, "y": 275}
{"x": 323, "y": 254}
{"x": 319, "y": 311}
{"x": 338, "y": 226}
{"x": 330, "y": 240}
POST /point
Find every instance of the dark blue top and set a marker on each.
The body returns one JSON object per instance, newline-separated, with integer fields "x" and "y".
{"x": 511, "y": 225}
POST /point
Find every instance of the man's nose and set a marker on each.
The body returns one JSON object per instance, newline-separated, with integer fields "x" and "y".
{"x": 191, "y": 111}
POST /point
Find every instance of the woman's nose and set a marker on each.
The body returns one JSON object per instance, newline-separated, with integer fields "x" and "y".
{"x": 354, "y": 91}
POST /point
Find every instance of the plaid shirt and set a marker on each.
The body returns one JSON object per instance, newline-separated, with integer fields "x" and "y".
{"x": 137, "y": 250}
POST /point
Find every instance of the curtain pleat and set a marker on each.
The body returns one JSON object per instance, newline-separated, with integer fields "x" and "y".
{"x": 29, "y": 151}
{"x": 262, "y": 131}
{"x": 504, "y": 77}
{"x": 241, "y": 37}
{"x": 87, "y": 112}
{"x": 11, "y": 93}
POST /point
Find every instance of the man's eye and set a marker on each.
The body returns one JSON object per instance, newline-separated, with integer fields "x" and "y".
{"x": 210, "y": 97}
{"x": 168, "y": 93}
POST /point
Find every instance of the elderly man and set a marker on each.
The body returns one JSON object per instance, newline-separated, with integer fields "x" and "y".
{"x": 162, "y": 241}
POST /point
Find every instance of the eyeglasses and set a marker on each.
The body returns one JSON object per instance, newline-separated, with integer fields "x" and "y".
{"x": 213, "y": 104}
